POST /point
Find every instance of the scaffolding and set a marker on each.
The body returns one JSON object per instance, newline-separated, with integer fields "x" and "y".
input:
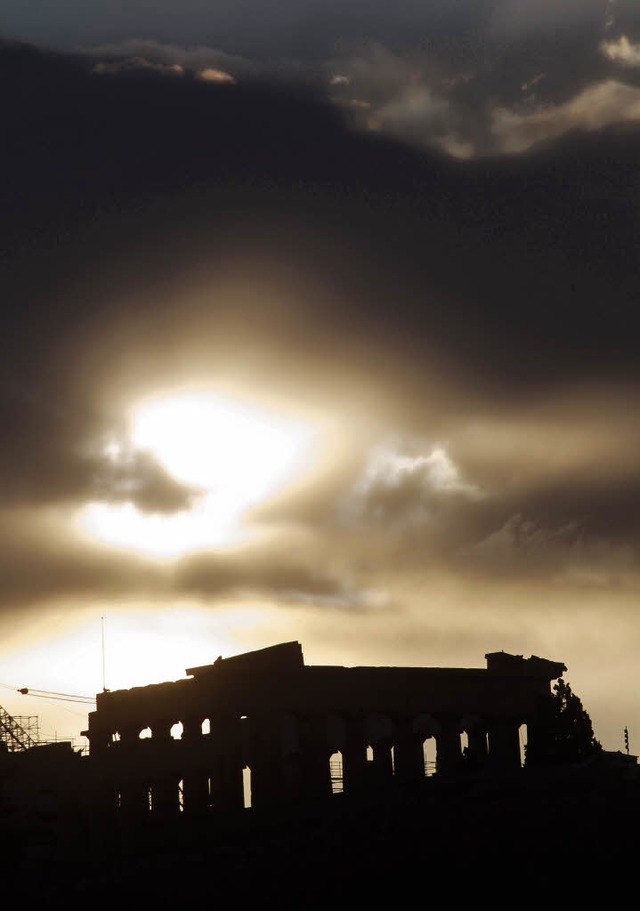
{"x": 18, "y": 733}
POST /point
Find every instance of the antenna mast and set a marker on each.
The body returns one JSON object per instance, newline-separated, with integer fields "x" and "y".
{"x": 104, "y": 682}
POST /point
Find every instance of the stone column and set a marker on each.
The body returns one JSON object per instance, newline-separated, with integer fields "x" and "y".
{"x": 100, "y": 739}
{"x": 130, "y": 779}
{"x": 102, "y": 752}
{"x": 478, "y": 749}
{"x": 314, "y": 758}
{"x": 266, "y": 760}
{"x": 382, "y": 765}
{"x": 227, "y": 785}
{"x": 354, "y": 756}
{"x": 408, "y": 751}
{"x": 449, "y": 752}
{"x": 504, "y": 745}
{"x": 194, "y": 770}
{"x": 476, "y": 756}
{"x": 163, "y": 778}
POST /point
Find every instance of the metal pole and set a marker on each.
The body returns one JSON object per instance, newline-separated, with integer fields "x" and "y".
{"x": 104, "y": 682}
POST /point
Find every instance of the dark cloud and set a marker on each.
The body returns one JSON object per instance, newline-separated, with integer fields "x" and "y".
{"x": 135, "y": 205}
{"x": 288, "y": 577}
{"x": 135, "y": 476}
{"x": 314, "y": 28}
{"x": 284, "y": 29}
{"x": 515, "y": 17}
{"x": 44, "y": 563}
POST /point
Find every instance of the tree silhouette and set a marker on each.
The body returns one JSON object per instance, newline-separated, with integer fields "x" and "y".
{"x": 563, "y": 730}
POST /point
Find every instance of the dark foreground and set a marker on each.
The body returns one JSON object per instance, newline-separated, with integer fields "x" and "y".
{"x": 561, "y": 838}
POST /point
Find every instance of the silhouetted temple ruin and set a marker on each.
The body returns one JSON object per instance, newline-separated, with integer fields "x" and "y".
{"x": 267, "y": 715}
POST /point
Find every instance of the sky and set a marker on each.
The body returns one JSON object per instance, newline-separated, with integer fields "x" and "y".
{"x": 318, "y": 324}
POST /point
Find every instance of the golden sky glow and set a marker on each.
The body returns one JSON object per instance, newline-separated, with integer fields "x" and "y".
{"x": 234, "y": 453}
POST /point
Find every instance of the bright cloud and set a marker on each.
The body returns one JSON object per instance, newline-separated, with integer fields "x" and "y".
{"x": 208, "y": 63}
{"x": 599, "y": 105}
{"x": 211, "y": 74}
{"x": 400, "y": 486}
{"x": 622, "y": 51}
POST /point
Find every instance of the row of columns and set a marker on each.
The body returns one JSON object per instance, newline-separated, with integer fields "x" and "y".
{"x": 289, "y": 757}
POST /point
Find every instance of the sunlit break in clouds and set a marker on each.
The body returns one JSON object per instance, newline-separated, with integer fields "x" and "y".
{"x": 233, "y": 454}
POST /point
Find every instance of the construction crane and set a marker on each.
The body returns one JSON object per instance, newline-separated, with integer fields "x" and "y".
{"x": 19, "y": 733}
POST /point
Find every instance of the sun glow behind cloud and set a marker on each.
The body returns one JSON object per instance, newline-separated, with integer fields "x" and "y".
{"x": 233, "y": 453}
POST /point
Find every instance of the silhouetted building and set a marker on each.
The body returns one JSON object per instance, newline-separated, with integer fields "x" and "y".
{"x": 332, "y": 761}
{"x": 265, "y": 724}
